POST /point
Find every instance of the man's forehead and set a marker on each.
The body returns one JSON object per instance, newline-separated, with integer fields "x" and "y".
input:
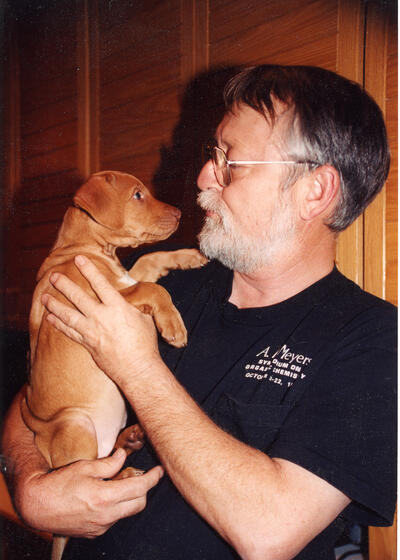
{"x": 242, "y": 120}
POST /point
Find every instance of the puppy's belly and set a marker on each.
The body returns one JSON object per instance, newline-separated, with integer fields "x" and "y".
{"x": 109, "y": 420}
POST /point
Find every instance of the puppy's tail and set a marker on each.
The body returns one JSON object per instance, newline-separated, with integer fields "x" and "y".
{"x": 58, "y": 546}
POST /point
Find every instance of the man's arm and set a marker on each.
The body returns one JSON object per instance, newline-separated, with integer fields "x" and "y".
{"x": 265, "y": 508}
{"x": 74, "y": 500}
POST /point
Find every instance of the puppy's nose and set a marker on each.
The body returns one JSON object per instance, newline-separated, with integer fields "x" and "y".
{"x": 176, "y": 212}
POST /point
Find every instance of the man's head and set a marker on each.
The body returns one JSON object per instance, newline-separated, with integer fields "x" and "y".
{"x": 333, "y": 121}
{"x": 306, "y": 151}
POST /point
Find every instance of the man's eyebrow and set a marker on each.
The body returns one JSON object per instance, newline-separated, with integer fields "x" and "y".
{"x": 222, "y": 142}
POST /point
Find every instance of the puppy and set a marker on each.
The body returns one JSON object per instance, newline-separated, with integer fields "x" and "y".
{"x": 75, "y": 410}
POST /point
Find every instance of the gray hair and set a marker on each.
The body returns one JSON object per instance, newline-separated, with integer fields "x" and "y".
{"x": 334, "y": 121}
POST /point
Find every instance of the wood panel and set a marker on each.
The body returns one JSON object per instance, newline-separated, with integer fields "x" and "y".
{"x": 308, "y": 38}
{"x": 195, "y": 38}
{"x": 383, "y": 542}
{"x": 56, "y": 113}
{"x": 375, "y": 83}
{"x": 350, "y": 64}
{"x": 43, "y": 141}
{"x": 380, "y": 259}
{"x": 391, "y": 287}
{"x": 139, "y": 65}
{"x": 53, "y": 161}
{"x": 46, "y": 41}
{"x": 51, "y": 187}
{"x": 57, "y": 88}
{"x": 124, "y": 24}
{"x": 56, "y": 41}
{"x": 88, "y": 88}
{"x": 140, "y": 164}
{"x": 229, "y": 17}
{"x": 144, "y": 89}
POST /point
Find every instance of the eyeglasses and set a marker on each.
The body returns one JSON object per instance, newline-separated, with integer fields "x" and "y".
{"x": 222, "y": 165}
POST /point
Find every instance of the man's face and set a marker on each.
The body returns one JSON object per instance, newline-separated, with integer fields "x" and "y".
{"x": 251, "y": 223}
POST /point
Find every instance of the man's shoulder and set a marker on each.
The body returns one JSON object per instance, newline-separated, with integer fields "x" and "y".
{"x": 350, "y": 293}
{"x": 359, "y": 315}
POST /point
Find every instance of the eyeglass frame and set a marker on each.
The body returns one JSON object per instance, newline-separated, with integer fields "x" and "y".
{"x": 215, "y": 149}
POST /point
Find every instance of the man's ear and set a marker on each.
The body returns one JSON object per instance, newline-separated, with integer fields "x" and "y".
{"x": 320, "y": 192}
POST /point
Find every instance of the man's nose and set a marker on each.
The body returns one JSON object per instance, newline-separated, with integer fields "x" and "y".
{"x": 206, "y": 179}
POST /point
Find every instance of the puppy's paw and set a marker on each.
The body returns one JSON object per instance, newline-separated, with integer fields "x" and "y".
{"x": 189, "y": 258}
{"x": 131, "y": 439}
{"x": 172, "y": 329}
{"x": 128, "y": 473}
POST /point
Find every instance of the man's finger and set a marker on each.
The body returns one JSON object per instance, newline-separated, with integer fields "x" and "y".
{"x": 62, "y": 327}
{"x": 127, "y": 489}
{"x": 107, "y": 467}
{"x": 100, "y": 285}
{"x": 64, "y": 318}
{"x": 74, "y": 293}
{"x": 136, "y": 489}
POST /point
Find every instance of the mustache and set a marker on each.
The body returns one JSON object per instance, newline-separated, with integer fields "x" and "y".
{"x": 209, "y": 200}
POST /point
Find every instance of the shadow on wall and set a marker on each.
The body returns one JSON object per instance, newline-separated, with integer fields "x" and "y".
{"x": 202, "y": 108}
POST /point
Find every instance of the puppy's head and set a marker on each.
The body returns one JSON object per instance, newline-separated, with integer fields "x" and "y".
{"x": 125, "y": 207}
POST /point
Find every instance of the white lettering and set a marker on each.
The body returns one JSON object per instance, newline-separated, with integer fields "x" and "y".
{"x": 264, "y": 352}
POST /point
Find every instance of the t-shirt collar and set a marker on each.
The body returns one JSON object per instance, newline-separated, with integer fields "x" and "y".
{"x": 221, "y": 287}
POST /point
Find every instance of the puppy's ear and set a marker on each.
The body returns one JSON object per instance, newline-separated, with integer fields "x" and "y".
{"x": 101, "y": 200}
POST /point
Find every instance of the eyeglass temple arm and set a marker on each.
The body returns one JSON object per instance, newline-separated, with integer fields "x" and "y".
{"x": 261, "y": 162}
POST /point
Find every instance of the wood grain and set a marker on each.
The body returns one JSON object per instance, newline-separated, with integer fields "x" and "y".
{"x": 57, "y": 113}
{"x": 374, "y": 216}
{"x": 284, "y": 40}
{"x": 54, "y": 161}
{"x": 350, "y": 56}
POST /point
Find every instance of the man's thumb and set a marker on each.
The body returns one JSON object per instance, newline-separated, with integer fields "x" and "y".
{"x": 109, "y": 466}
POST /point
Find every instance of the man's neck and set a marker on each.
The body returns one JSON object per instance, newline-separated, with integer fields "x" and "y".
{"x": 284, "y": 279}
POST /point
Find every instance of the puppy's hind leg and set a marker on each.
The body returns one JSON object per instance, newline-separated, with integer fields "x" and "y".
{"x": 73, "y": 438}
{"x": 131, "y": 439}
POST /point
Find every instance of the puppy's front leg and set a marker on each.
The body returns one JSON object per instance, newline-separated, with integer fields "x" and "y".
{"x": 155, "y": 300}
{"x": 151, "y": 267}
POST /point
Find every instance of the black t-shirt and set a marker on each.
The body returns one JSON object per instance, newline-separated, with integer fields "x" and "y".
{"x": 311, "y": 380}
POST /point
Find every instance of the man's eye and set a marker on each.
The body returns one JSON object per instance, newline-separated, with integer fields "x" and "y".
{"x": 138, "y": 195}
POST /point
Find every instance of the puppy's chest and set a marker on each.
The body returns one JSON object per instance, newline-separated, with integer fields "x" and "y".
{"x": 125, "y": 281}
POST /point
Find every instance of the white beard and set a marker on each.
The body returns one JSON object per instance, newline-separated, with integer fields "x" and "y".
{"x": 220, "y": 239}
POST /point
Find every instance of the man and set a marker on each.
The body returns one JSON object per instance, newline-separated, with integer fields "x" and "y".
{"x": 275, "y": 426}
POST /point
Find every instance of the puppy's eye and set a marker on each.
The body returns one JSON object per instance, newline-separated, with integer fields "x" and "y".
{"x": 137, "y": 195}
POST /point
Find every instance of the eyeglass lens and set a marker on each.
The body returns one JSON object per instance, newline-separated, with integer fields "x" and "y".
{"x": 221, "y": 167}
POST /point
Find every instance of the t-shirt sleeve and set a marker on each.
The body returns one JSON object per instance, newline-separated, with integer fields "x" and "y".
{"x": 343, "y": 429}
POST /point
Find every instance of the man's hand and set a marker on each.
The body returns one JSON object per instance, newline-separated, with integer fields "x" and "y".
{"x": 120, "y": 339}
{"x": 78, "y": 500}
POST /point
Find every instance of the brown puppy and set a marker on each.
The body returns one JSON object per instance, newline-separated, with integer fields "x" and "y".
{"x": 75, "y": 410}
